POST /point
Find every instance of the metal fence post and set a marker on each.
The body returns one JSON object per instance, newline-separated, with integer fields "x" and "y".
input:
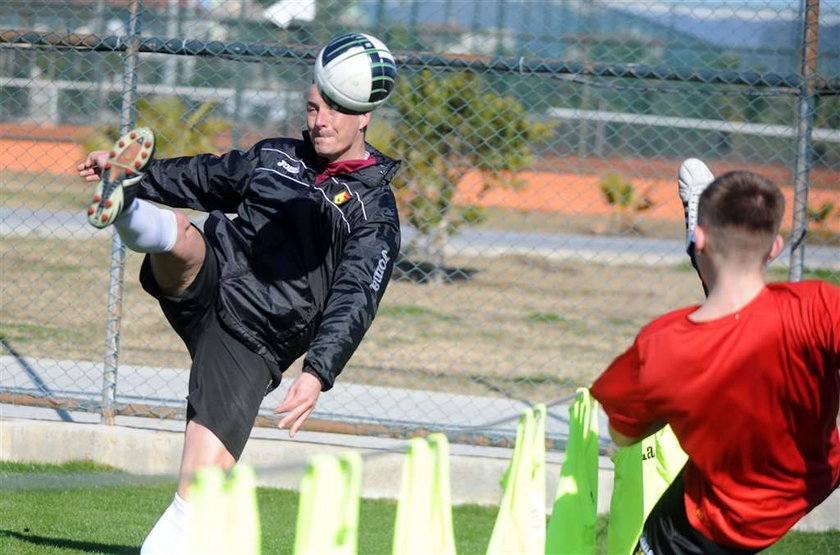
{"x": 804, "y": 128}
{"x": 238, "y": 101}
{"x": 116, "y": 289}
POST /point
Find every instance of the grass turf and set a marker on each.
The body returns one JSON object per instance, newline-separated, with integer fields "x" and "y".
{"x": 83, "y": 507}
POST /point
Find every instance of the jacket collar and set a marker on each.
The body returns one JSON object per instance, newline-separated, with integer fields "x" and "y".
{"x": 377, "y": 175}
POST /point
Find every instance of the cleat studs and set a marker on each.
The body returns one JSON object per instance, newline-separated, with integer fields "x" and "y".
{"x": 133, "y": 136}
{"x": 108, "y": 203}
{"x": 97, "y": 198}
{"x": 144, "y": 154}
{"x": 104, "y": 218}
{"x": 121, "y": 144}
{"x": 148, "y": 144}
{"x": 128, "y": 171}
{"x": 112, "y": 154}
{"x": 91, "y": 210}
{"x": 107, "y": 165}
{"x": 138, "y": 164}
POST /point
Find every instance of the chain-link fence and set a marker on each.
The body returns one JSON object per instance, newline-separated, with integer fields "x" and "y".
{"x": 539, "y": 232}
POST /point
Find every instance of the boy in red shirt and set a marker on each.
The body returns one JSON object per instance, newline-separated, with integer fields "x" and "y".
{"x": 749, "y": 381}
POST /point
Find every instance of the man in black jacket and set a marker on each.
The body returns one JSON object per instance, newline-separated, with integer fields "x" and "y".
{"x": 294, "y": 258}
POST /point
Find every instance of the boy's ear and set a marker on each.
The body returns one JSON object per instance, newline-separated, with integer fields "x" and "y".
{"x": 778, "y": 245}
{"x": 700, "y": 238}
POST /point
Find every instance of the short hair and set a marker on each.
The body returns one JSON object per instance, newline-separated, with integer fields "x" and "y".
{"x": 743, "y": 210}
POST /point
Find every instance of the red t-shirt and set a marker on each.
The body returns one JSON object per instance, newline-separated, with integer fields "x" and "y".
{"x": 753, "y": 398}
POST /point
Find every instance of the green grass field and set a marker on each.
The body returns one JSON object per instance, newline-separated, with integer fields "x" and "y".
{"x": 86, "y": 508}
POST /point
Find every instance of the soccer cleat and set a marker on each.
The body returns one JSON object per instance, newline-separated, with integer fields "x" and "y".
{"x": 693, "y": 178}
{"x": 129, "y": 156}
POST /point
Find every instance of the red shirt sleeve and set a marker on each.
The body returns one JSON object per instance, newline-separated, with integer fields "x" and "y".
{"x": 829, "y": 327}
{"x": 619, "y": 391}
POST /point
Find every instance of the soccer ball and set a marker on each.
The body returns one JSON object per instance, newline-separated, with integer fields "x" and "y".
{"x": 355, "y": 72}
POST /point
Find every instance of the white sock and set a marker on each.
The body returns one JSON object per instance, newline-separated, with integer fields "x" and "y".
{"x": 144, "y": 227}
{"x": 169, "y": 535}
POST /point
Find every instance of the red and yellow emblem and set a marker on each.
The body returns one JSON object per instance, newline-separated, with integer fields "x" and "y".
{"x": 341, "y": 197}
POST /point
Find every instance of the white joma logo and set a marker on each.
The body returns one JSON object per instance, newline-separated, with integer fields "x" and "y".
{"x": 379, "y": 272}
{"x": 287, "y": 166}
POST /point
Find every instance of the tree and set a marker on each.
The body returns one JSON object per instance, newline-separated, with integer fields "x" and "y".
{"x": 179, "y": 131}
{"x": 625, "y": 202}
{"x": 448, "y": 126}
{"x": 820, "y": 217}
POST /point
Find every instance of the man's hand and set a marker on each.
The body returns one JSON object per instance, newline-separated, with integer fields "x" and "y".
{"x": 92, "y": 166}
{"x": 299, "y": 402}
{"x": 622, "y": 440}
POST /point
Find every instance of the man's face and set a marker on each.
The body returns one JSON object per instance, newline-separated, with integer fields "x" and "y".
{"x": 335, "y": 135}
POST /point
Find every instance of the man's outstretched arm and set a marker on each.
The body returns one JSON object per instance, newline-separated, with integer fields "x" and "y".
{"x": 350, "y": 309}
{"x": 360, "y": 282}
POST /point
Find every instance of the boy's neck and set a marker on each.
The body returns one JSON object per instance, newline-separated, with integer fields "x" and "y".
{"x": 730, "y": 292}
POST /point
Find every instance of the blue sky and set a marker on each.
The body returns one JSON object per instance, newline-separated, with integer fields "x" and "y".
{"x": 748, "y": 10}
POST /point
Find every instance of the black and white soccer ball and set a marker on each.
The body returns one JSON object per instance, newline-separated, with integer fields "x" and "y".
{"x": 356, "y": 72}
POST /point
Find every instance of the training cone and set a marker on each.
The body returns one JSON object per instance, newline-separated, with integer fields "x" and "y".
{"x": 207, "y": 521}
{"x": 643, "y": 471}
{"x": 520, "y": 524}
{"x": 243, "y": 520}
{"x": 328, "y": 513}
{"x": 571, "y": 528}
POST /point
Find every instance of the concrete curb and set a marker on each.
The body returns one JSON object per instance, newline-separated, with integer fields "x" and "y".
{"x": 150, "y": 447}
{"x": 154, "y": 449}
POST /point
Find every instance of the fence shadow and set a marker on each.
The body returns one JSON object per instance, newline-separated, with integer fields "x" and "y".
{"x": 64, "y": 543}
{"x": 414, "y": 271}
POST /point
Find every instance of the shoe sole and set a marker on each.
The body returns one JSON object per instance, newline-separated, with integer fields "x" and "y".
{"x": 130, "y": 155}
{"x": 693, "y": 178}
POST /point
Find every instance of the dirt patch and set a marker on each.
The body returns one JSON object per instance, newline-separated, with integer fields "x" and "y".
{"x": 522, "y": 326}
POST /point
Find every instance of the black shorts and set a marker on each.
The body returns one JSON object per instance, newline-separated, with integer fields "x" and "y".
{"x": 668, "y": 531}
{"x": 227, "y": 381}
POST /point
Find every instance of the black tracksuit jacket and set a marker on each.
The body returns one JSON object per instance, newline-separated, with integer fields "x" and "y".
{"x": 297, "y": 258}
